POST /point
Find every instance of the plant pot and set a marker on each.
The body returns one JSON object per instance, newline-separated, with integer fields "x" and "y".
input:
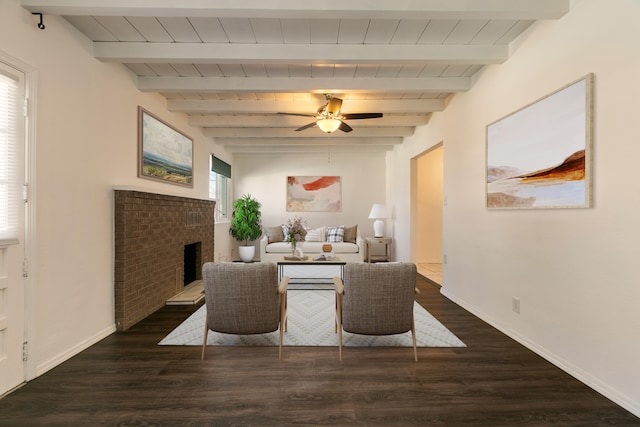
{"x": 246, "y": 253}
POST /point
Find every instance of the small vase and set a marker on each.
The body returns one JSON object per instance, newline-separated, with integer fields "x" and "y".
{"x": 293, "y": 247}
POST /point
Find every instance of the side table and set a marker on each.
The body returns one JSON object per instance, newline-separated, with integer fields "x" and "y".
{"x": 374, "y": 242}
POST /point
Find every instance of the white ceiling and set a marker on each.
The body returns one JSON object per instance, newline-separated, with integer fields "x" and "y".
{"x": 231, "y": 65}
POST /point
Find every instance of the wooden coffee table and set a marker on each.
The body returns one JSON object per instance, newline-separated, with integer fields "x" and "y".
{"x": 310, "y": 272}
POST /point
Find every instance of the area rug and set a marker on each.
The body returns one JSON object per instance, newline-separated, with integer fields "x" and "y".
{"x": 311, "y": 316}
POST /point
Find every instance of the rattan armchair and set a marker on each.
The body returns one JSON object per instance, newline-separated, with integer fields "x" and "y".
{"x": 376, "y": 299}
{"x": 244, "y": 299}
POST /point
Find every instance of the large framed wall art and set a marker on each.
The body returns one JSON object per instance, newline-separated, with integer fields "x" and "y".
{"x": 314, "y": 194}
{"x": 540, "y": 156}
{"x": 164, "y": 153}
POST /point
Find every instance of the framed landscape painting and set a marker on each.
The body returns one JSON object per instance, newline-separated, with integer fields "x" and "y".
{"x": 164, "y": 153}
{"x": 314, "y": 194}
{"x": 540, "y": 156}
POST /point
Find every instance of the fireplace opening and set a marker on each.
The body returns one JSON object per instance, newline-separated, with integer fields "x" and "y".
{"x": 192, "y": 257}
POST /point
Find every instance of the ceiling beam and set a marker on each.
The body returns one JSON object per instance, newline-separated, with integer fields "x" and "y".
{"x": 319, "y": 9}
{"x": 233, "y": 53}
{"x": 300, "y": 84}
{"x": 194, "y": 106}
{"x": 281, "y": 121}
{"x": 313, "y": 132}
{"x": 332, "y": 139}
{"x": 327, "y": 150}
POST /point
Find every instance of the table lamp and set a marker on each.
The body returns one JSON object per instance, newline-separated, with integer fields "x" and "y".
{"x": 378, "y": 212}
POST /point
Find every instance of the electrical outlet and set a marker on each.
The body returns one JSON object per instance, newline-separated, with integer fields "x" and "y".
{"x": 515, "y": 305}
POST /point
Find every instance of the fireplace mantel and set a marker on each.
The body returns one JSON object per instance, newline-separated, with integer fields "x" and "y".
{"x": 150, "y": 233}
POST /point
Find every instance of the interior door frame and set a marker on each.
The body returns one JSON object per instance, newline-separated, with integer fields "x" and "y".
{"x": 414, "y": 172}
{"x": 31, "y": 79}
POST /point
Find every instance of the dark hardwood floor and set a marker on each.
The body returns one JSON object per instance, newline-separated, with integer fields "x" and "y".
{"x": 126, "y": 379}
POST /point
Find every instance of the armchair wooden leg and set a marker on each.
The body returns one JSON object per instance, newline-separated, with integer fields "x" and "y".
{"x": 204, "y": 341}
{"x": 413, "y": 335}
{"x": 339, "y": 323}
{"x": 286, "y": 318}
{"x": 283, "y": 321}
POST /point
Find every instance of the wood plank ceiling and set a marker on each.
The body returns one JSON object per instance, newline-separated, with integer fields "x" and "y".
{"x": 232, "y": 65}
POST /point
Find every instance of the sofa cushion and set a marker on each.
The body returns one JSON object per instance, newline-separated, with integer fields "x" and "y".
{"x": 315, "y": 235}
{"x": 335, "y": 234}
{"x": 274, "y": 234}
{"x": 350, "y": 234}
{"x": 312, "y": 248}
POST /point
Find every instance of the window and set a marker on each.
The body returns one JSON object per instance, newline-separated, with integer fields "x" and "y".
{"x": 219, "y": 179}
{"x": 9, "y": 191}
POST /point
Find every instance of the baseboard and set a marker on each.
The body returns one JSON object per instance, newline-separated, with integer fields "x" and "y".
{"x": 62, "y": 357}
{"x": 579, "y": 374}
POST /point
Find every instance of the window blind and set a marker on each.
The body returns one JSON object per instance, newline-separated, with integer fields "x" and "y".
{"x": 9, "y": 192}
{"x": 221, "y": 167}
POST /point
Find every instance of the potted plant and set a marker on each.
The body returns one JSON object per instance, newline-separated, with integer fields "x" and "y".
{"x": 246, "y": 226}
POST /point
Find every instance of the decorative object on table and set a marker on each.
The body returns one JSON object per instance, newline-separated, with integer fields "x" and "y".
{"x": 314, "y": 194}
{"x": 246, "y": 226}
{"x": 327, "y": 247}
{"x": 540, "y": 156}
{"x": 164, "y": 153}
{"x": 378, "y": 212}
{"x": 294, "y": 232}
{"x": 326, "y": 256}
{"x": 296, "y": 257}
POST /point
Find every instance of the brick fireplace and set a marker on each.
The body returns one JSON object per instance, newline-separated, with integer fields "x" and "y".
{"x": 152, "y": 234}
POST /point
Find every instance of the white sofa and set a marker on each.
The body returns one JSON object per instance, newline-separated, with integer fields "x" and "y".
{"x": 273, "y": 249}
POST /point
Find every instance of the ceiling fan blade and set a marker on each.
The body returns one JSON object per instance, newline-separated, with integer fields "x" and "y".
{"x": 297, "y": 114}
{"x": 310, "y": 125}
{"x": 345, "y": 127}
{"x": 333, "y": 106}
{"x": 357, "y": 116}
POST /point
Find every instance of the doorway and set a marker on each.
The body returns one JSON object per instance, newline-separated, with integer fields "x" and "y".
{"x": 427, "y": 210}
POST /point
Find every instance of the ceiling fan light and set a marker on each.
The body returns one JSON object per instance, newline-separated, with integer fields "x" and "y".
{"x": 329, "y": 125}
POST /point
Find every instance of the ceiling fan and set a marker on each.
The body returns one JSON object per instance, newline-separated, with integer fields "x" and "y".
{"x": 329, "y": 119}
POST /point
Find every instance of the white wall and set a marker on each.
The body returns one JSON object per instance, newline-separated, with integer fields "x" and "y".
{"x": 86, "y": 142}
{"x": 574, "y": 270}
{"x": 265, "y": 177}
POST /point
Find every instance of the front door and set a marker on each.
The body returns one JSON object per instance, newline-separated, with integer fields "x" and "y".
{"x": 12, "y": 230}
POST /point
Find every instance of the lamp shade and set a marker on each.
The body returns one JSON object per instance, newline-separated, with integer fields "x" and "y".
{"x": 329, "y": 125}
{"x": 378, "y": 210}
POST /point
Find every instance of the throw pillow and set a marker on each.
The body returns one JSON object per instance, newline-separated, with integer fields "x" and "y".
{"x": 350, "y": 234}
{"x": 335, "y": 234}
{"x": 285, "y": 232}
{"x": 274, "y": 234}
{"x": 315, "y": 235}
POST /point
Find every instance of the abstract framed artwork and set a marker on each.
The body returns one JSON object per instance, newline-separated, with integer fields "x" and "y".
{"x": 314, "y": 194}
{"x": 164, "y": 153}
{"x": 540, "y": 156}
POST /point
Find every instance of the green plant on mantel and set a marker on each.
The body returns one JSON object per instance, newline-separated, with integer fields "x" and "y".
{"x": 246, "y": 225}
